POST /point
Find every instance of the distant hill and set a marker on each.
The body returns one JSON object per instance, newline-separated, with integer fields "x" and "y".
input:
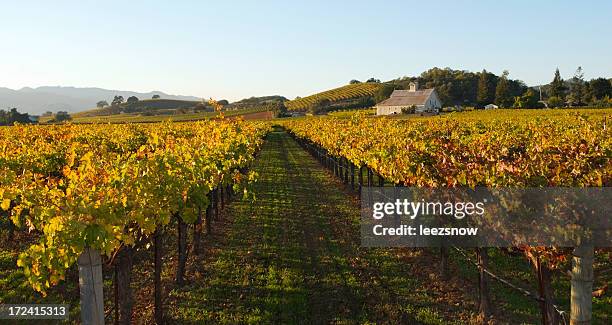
{"x": 72, "y": 99}
{"x": 257, "y": 101}
{"x": 349, "y": 96}
{"x": 152, "y": 110}
{"x": 149, "y": 107}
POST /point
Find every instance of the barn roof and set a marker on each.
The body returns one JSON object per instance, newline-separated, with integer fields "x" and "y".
{"x": 407, "y": 98}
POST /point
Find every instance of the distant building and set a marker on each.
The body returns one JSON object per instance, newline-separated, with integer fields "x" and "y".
{"x": 296, "y": 113}
{"x": 423, "y": 100}
{"x": 491, "y": 106}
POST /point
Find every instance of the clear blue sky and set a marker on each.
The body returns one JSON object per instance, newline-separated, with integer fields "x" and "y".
{"x": 252, "y": 48}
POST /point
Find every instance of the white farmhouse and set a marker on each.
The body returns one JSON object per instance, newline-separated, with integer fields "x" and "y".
{"x": 491, "y": 106}
{"x": 423, "y": 100}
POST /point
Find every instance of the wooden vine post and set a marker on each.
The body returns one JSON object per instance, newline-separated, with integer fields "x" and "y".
{"x": 346, "y": 171}
{"x": 352, "y": 176}
{"x": 124, "y": 263}
{"x": 215, "y": 196}
{"x": 360, "y": 178}
{"x": 209, "y": 214}
{"x": 182, "y": 250}
{"x": 222, "y": 195}
{"x": 582, "y": 285}
{"x": 444, "y": 263}
{"x": 484, "y": 303}
{"x": 197, "y": 232}
{"x": 157, "y": 252}
{"x": 91, "y": 287}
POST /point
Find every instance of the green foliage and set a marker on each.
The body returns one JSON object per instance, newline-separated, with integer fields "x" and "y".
{"x": 557, "y": 86}
{"x": 62, "y": 116}
{"x": 503, "y": 96}
{"x": 602, "y": 103}
{"x": 117, "y": 100}
{"x": 253, "y": 102}
{"x": 101, "y": 104}
{"x": 319, "y": 106}
{"x": 409, "y": 110}
{"x": 600, "y": 88}
{"x": 13, "y": 116}
{"x": 555, "y": 102}
{"x": 132, "y": 99}
{"x": 486, "y": 88}
{"x": 577, "y": 89}
{"x": 113, "y": 183}
{"x": 528, "y": 100}
{"x": 148, "y": 107}
{"x": 460, "y": 87}
{"x": 155, "y": 97}
{"x": 383, "y": 92}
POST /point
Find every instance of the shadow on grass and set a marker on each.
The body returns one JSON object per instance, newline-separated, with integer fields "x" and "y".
{"x": 293, "y": 257}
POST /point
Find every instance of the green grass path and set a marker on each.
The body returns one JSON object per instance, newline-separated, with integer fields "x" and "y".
{"x": 292, "y": 256}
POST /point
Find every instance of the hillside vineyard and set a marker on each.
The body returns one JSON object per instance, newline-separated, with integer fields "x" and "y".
{"x": 105, "y": 186}
{"x": 333, "y": 95}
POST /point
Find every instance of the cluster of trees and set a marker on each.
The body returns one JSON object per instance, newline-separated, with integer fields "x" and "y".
{"x": 118, "y": 100}
{"x": 355, "y": 81}
{"x": 13, "y": 116}
{"x": 578, "y": 92}
{"x": 61, "y": 116}
{"x": 460, "y": 87}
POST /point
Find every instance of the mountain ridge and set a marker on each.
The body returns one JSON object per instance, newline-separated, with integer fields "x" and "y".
{"x": 69, "y": 98}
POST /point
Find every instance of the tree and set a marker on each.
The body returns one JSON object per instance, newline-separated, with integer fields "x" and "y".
{"x": 117, "y": 100}
{"x": 577, "y": 93}
{"x": 555, "y": 102}
{"x": 455, "y": 87}
{"x": 319, "y": 106}
{"x": 223, "y": 102}
{"x": 528, "y": 100}
{"x": 102, "y": 104}
{"x": 281, "y": 109}
{"x": 62, "y": 116}
{"x": 155, "y": 97}
{"x": 13, "y": 116}
{"x": 354, "y": 81}
{"x": 503, "y": 97}
{"x": 557, "y": 87}
{"x": 373, "y": 80}
{"x": 132, "y": 99}
{"x": 600, "y": 88}
{"x": 486, "y": 89}
{"x": 383, "y": 92}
